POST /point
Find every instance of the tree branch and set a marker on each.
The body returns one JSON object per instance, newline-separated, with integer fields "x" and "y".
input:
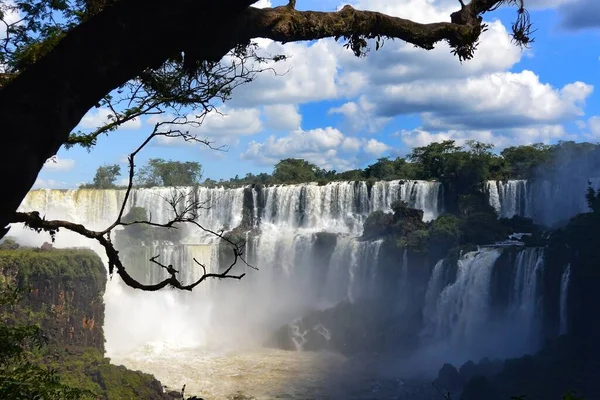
{"x": 182, "y": 213}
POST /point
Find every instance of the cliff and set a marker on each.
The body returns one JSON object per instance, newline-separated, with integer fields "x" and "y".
{"x": 62, "y": 293}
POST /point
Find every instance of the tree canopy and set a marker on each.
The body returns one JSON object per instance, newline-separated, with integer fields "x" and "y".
{"x": 159, "y": 172}
{"x": 105, "y": 177}
{"x": 62, "y": 58}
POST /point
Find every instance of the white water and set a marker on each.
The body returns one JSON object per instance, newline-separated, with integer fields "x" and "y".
{"x": 460, "y": 322}
{"x": 564, "y": 298}
{"x": 547, "y": 202}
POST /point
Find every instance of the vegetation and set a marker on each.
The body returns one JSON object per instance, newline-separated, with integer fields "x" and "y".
{"x": 105, "y": 177}
{"x": 21, "y": 378}
{"x": 465, "y": 167}
{"x": 159, "y": 172}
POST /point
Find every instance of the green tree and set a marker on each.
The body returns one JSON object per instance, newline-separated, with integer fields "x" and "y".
{"x": 85, "y": 46}
{"x": 382, "y": 169}
{"x": 593, "y": 198}
{"x": 432, "y": 159}
{"x": 159, "y": 172}
{"x": 105, "y": 177}
{"x": 295, "y": 170}
{"x": 521, "y": 161}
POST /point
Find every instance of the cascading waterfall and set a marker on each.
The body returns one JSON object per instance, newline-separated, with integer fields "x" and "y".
{"x": 462, "y": 308}
{"x": 459, "y": 318}
{"x": 564, "y": 293}
{"x": 531, "y": 198}
{"x": 525, "y": 300}
{"x": 304, "y": 242}
{"x": 510, "y": 198}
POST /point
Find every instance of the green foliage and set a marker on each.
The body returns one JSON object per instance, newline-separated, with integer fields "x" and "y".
{"x": 105, "y": 177}
{"x": 66, "y": 263}
{"x": 522, "y": 161}
{"x": 433, "y": 158}
{"x": 21, "y": 378}
{"x": 294, "y": 170}
{"x": 445, "y": 232}
{"x": 593, "y": 198}
{"x": 159, "y": 172}
{"x": 9, "y": 244}
{"x": 376, "y": 223}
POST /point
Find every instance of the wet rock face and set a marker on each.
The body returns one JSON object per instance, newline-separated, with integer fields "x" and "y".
{"x": 349, "y": 329}
{"x": 63, "y": 293}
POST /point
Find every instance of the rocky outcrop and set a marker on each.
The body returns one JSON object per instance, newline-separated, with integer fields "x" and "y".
{"x": 350, "y": 329}
{"x": 63, "y": 291}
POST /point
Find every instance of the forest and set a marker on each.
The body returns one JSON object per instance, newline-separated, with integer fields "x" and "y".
{"x": 465, "y": 165}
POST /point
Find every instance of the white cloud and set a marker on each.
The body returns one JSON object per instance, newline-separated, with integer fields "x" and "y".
{"x": 594, "y": 125}
{"x": 590, "y": 128}
{"x": 222, "y": 127}
{"x": 359, "y": 115}
{"x": 58, "y": 164}
{"x": 319, "y": 146}
{"x": 282, "y": 117}
{"x": 376, "y": 148}
{"x": 499, "y": 100}
{"x": 325, "y": 147}
{"x": 500, "y": 139}
{"x": 309, "y": 74}
{"x": 97, "y": 117}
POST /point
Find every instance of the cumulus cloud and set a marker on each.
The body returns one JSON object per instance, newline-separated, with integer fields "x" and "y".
{"x": 495, "y": 101}
{"x": 282, "y": 117}
{"x": 376, "y": 148}
{"x": 580, "y": 14}
{"x": 222, "y": 127}
{"x": 309, "y": 74}
{"x": 501, "y": 139}
{"x": 360, "y": 115}
{"x": 325, "y": 147}
{"x": 97, "y": 117}
{"x": 591, "y": 128}
{"x": 58, "y": 164}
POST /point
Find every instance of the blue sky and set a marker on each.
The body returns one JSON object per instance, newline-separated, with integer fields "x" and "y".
{"x": 341, "y": 112}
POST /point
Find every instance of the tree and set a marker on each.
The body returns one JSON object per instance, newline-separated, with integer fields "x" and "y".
{"x": 159, "y": 172}
{"x": 65, "y": 58}
{"x": 593, "y": 198}
{"x": 433, "y": 158}
{"x": 105, "y": 177}
{"x": 295, "y": 170}
{"x": 523, "y": 160}
{"x": 382, "y": 169}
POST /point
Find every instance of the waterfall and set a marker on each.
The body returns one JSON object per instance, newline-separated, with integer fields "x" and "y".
{"x": 459, "y": 319}
{"x": 531, "y": 198}
{"x": 462, "y": 307}
{"x": 564, "y": 293}
{"x": 510, "y": 198}
{"x": 525, "y": 303}
{"x": 343, "y": 206}
{"x": 434, "y": 288}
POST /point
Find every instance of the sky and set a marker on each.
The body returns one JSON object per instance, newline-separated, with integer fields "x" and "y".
{"x": 341, "y": 112}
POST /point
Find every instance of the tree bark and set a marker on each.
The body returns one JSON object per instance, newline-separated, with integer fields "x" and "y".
{"x": 41, "y": 106}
